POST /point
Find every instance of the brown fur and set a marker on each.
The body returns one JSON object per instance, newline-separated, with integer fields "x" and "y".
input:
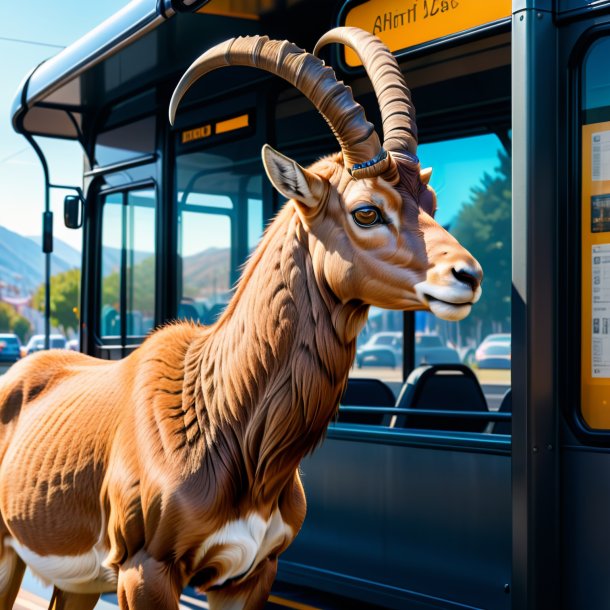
{"x": 203, "y": 425}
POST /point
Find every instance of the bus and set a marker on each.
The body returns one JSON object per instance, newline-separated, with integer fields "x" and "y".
{"x": 487, "y": 488}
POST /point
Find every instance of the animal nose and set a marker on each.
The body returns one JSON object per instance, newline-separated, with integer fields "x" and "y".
{"x": 468, "y": 276}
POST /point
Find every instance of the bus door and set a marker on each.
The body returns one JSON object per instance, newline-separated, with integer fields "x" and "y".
{"x": 127, "y": 267}
{"x": 120, "y": 270}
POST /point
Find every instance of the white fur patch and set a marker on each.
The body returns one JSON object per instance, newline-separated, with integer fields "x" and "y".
{"x": 248, "y": 541}
{"x": 85, "y": 573}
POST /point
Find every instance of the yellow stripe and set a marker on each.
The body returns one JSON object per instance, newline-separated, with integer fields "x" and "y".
{"x": 280, "y": 601}
{"x": 237, "y": 122}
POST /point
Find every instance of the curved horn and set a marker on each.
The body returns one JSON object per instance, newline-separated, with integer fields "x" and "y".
{"x": 393, "y": 95}
{"x": 362, "y": 151}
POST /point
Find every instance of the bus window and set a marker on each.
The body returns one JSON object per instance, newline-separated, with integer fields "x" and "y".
{"x": 140, "y": 262}
{"x": 220, "y": 220}
{"x": 128, "y": 265}
{"x": 471, "y": 177}
{"x": 112, "y": 244}
{"x": 205, "y": 251}
{"x": 595, "y": 236}
{"x": 127, "y": 142}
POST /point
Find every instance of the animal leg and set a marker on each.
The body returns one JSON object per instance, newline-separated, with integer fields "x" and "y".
{"x": 251, "y": 594}
{"x": 11, "y": 574}
{"x": 145, "y": 583}
{"x": 62, "y": 600}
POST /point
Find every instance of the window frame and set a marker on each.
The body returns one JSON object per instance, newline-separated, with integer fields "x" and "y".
{"x": 125, "y": 341}
{"x": 570, "y": 307}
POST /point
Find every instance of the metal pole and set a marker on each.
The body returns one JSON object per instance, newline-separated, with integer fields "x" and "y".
{"x": 47, "y": 239}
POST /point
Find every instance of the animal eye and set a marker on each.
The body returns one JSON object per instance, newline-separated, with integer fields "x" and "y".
{"x": 367, "y": 217}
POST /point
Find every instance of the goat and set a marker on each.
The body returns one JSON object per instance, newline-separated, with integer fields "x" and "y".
{"x": 179, "y": 463}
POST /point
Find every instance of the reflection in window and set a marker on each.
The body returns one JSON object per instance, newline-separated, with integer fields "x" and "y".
{"x": 112, "y": 240}
{"x": 140, "y": 263}
{"x": 128, "y": 264}
{"x": 472, "y": 179}
{"x": 127, "y": 142}
{"x": 220, "y": 221}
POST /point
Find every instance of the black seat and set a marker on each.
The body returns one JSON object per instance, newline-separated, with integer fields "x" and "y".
{"x": 365, "y": 393}
{"x": 506, "y": 406}
{"x": 445, "y": 387}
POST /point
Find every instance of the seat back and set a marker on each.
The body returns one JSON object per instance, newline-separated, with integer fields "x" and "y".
{"x": 445, "y": 387}
{"x": 506, "y": 406}
{"x": 365, "y": 393}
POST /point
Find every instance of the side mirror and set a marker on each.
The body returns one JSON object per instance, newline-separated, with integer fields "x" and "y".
{"x": 73, "y": 212}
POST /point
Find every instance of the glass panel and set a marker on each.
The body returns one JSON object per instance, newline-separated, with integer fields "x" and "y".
{"x": 140, "y": 263}
{"x": 472, "y": 179}
{"x": 127, "y": 142}
{"x": 595, "y": 237}
{"x": 255, "y": 222}
{"x": 112, "y": 244}
{"x": 220, "y": 220}
{"x": 205, "y": 250}
{"x": 379, "y": 348}
{"x": 128, "y": 264}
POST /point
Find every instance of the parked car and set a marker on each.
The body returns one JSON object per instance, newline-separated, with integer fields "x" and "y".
{"x": 10, "y": 347}
{"x": 382, "y": 349}
{"x": 36, "y": 343}
{"x": 493, "y": 354}
{"x": 497, "y": 338}
{"x": 429, "y": 349}
{"x": 385, "y": 349}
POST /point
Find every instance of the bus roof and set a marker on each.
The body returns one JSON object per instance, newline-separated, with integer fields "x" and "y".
{"x": 54, "y": 97}
{"x": 52, "y": 88}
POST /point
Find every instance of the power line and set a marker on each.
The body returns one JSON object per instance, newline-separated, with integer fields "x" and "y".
{"x": 34, "y": 42}
{"x": 12, "y": 155}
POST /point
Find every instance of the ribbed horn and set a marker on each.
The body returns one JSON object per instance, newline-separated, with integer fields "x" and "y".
{"x": 362, "y": 151}
{"x": 393, "y": 95}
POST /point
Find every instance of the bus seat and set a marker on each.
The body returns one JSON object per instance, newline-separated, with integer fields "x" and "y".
{"x": 365, "y": 393}
{"x": 447, "y": 387}
{"x": 506, "y": 406}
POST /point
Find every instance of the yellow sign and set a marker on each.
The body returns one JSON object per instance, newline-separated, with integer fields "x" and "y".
{"x": 198, "y": 133}
{"x": 205, "y": 131}
{"x": 405, "y": 23}
{"x": 238, "y": 122}
{"x": 595, "y": 288}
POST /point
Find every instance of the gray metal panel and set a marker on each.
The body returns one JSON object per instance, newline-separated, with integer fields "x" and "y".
{"x": 585, "y": 531}
{"x": 535, "y": 463}
{"x": 426, "y": 527}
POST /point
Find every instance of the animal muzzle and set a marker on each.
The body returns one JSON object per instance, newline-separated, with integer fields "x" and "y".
{"x": 451, "y": 287}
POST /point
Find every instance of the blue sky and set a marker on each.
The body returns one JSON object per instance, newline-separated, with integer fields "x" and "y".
{"x": 21, "y": 180}
{"x": 458, "y": 165}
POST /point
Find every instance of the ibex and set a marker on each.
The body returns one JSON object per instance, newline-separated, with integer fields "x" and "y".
{"x": 180, "y": 462}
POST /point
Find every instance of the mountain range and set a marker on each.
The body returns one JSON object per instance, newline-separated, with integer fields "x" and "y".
{"x": 22, "y": 260}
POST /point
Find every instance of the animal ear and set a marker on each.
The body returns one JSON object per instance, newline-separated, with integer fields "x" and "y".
{"x": 292, "y": 180}
{"x": 425, "y": 174}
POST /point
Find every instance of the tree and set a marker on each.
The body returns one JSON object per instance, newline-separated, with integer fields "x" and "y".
{"x": 483, "y": 226}
{"x": 11, "y": 321}
{"x": 6, "y": 317}
{"x": 65, "y": 290}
